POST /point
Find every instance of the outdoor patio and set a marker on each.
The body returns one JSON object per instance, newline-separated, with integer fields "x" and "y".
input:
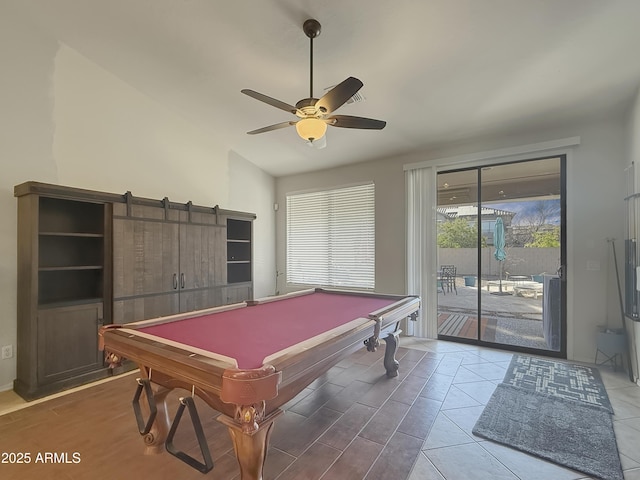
{"x": 513, "y": 317}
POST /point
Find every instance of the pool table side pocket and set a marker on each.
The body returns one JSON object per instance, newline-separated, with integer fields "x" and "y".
{"x": 246, "y": 387}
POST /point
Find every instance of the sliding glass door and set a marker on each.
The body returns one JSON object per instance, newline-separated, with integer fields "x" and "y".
{"x": 500, "y": 254}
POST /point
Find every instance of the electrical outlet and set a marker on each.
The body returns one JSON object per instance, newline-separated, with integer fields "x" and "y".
{"x": 7, "y": 352}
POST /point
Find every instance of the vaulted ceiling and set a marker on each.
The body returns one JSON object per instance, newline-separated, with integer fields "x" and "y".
{"x": 438, "y": 71}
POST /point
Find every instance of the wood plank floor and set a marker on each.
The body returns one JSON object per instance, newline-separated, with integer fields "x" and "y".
{"x": 466, "y": 326}
{"x": 353, "y": 423}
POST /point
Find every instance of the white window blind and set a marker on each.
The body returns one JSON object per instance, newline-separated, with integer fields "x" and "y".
{"x": 331, "y": 237}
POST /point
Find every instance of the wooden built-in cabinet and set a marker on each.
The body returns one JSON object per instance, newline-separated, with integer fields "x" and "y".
{"x": 166, "y": 260}
{"x": 64, "y": 289}
{"x": 88, "y": 258}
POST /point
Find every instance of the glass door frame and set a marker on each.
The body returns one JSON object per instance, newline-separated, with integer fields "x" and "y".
{"x": 562, "y": 351}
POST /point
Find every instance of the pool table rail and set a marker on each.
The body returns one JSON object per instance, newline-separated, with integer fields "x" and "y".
{"x": 300, "y": 367}
{"x": 403, "y": 308}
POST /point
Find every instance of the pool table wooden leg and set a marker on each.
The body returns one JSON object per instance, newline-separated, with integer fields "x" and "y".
{"x": 251, "y": 449}
{"x": 390, "y": 362}
{"x": 154, "y": 440}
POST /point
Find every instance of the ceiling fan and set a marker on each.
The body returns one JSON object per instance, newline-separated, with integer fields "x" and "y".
{"x": 315, "y": 114}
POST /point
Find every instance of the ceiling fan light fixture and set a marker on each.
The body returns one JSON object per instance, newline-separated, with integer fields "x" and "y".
{"x": 311, "y": 129}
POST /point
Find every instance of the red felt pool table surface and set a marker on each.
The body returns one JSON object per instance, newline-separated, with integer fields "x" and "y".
{"x": 251, "y": 334}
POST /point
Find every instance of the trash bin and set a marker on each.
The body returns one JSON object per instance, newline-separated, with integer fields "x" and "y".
{"x": 612, "y": 344}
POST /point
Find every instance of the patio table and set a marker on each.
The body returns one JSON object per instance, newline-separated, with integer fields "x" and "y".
{"x": 529, "y": 287}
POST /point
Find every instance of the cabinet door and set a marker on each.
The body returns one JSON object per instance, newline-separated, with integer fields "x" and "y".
{"x": 145, "y": 268}
{"x": 237, "y": 294}
{"x": 132, "y": 309}
{"x": 68, "y": 341}
{"x": 201, "y": 255}
{"x": 199, "y": 299}
{"x": 201, "y": 266}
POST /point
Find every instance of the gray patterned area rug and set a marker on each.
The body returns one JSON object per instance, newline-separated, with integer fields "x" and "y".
{"x": 556, "y": 411}
{"x": 572, "y": 382}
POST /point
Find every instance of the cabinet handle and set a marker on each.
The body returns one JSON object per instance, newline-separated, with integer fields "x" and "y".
{"x": 175, "y": 281}
{"x": 182, "y": 280}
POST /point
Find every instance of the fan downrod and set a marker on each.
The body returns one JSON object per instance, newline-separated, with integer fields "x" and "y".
{"x": 311, "y": 28}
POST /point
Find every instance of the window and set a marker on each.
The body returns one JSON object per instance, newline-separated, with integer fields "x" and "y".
{"x": 330, "y": 237}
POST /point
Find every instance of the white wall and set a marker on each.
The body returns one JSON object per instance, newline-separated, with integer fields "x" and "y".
{"x": 594, "y": 203}
{"x": 110, "y": 137}
{"x": 65, "y": 120}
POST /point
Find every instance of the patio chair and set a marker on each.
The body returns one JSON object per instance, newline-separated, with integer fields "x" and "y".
{"x": 538, "y": 278}
{"x": 448, "y": 278}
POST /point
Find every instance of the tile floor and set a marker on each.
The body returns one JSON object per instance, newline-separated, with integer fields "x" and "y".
{"x": 468, "y": 377}
{"x": 461, "y": 385}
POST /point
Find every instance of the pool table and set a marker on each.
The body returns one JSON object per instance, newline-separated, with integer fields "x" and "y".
{"x": 246, "y": 360}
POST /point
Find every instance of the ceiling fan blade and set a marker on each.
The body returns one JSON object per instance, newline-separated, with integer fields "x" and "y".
{"x": 348, "y": 121}
{"x": 277, "y": 126}
{"x": 271, "y": 101}
{"x": 338, "y": 95}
